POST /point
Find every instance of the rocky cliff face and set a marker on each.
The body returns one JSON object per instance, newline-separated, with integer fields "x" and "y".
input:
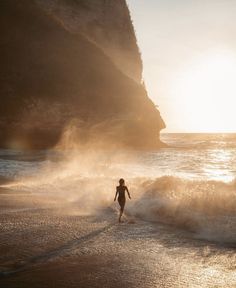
{"x": 72, "y": 67}
{"x": 107, "y": 24}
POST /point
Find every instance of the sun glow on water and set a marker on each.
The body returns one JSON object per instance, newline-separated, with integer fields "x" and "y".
{"x": 217, "y": 165}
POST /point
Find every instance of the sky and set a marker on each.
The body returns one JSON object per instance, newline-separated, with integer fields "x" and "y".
{"x": 188, "y": 50}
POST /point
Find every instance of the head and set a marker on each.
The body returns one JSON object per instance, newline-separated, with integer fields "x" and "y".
{"x": 122, "y": 182}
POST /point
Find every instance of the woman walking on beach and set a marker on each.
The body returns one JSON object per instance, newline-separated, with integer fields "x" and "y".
{"x": 120, "y": 191}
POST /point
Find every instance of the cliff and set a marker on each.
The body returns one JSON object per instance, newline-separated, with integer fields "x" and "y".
{"x": 107, "y": 24}
{"x": 66, "y": 64}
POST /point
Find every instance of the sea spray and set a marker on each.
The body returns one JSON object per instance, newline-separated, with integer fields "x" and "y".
{"x": 86, "y": 179}
{"x": 205, "y": 207}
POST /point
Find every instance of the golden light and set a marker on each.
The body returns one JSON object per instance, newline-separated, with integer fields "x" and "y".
{"x": 206, "y": 93}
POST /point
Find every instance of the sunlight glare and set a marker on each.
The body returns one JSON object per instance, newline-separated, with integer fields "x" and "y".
{"x": 206, "y": 93}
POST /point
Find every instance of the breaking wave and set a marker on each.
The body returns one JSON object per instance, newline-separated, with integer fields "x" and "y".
{"x": 87, "y": 179}
{"x": 207, "y": 208}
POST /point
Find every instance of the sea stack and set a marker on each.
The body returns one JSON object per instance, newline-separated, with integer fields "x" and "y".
{"x": 71, "y": 71}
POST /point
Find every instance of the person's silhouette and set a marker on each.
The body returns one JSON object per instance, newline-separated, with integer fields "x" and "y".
{"x": 120, "y": 191}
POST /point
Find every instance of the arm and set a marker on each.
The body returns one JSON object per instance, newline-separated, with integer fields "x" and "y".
{"x": 116, "y": 194}
{"x": 128, "y": 192}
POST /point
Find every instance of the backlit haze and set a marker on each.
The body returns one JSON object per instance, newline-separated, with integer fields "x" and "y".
{"x": 189, "y": 53}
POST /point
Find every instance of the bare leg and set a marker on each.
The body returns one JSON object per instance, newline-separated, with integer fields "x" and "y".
{"x": 122, "y": 206}
{"x": 121, "y": 212}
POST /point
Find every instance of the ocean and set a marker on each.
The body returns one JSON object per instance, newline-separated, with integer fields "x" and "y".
{"x": 189, "y": 185}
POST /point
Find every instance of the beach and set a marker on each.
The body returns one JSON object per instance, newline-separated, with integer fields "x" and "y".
{"x": 59, "y": 223}
{"x": 54, "y": 247}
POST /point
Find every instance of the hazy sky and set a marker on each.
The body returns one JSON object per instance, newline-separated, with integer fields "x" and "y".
{"x": 189, "y": 53}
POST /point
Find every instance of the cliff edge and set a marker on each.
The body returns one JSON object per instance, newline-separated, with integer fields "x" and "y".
{"x": 71, "y": 69}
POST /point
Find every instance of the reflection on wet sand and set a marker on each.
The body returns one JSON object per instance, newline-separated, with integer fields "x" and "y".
{"x": 56, "y": 247}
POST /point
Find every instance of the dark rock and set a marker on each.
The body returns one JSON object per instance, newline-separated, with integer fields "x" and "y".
{"x": 59, "y": 78}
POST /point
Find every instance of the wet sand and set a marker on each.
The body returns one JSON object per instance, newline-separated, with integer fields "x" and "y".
{"x": 46, "y": 244}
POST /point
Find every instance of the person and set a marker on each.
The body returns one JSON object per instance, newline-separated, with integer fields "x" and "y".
{"x": 120, "y": 191}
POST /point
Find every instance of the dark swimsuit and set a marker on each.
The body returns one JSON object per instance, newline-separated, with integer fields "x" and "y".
{"x": 121, "y": 197}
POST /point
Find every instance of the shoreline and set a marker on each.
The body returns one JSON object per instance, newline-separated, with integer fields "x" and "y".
{"x": 59, "y": 247}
